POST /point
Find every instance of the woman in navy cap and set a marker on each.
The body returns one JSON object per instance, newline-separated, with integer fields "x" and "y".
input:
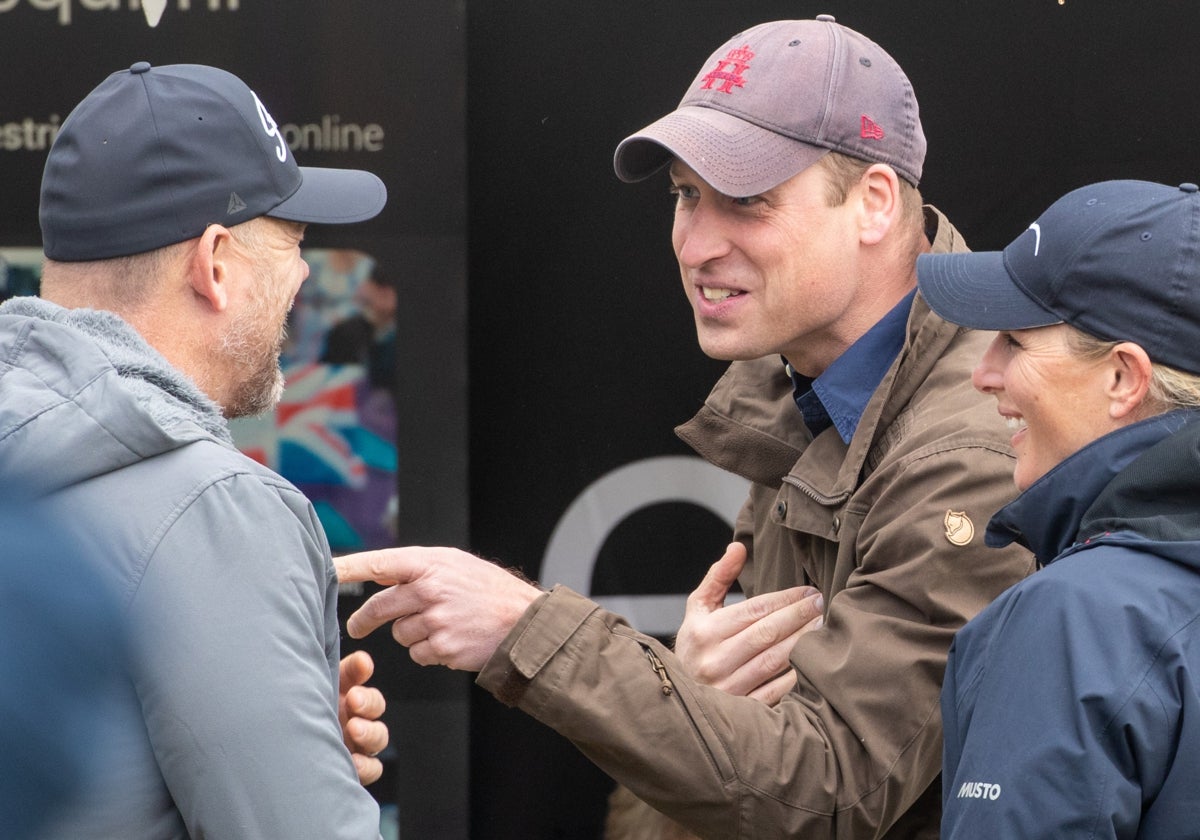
{"x": 1072, "y": 703}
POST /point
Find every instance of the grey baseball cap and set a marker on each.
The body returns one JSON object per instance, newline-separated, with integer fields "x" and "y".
{"x": 153, "y": 155}
{"x": 771, "y": 101}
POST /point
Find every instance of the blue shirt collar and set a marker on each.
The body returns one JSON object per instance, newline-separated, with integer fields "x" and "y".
{"x": 839, "y": 396}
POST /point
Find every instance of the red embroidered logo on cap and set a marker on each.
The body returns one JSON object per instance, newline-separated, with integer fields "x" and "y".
{"x": 739, "y": 59}
{"x": 871, "y": 130}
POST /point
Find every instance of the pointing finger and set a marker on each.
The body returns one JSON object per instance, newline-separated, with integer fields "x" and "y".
{"x": 385, "y": 565}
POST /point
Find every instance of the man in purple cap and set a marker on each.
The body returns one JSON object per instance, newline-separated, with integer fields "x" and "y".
{"x": 794, "y": 156}
{"x": 172, "y": 214}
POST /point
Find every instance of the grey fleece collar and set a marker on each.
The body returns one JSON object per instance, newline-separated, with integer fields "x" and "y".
{"x": 148, "y": 374}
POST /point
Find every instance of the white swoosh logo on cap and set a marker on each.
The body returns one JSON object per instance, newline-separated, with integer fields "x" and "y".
{"x": 1037, "y": 242}
{"x": 154, "y": 10}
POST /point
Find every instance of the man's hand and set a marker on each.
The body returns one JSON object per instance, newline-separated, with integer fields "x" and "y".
{"x": 359, "y": 708}
{"x": 743, "y": 649}
{"x": 446, "y": 606}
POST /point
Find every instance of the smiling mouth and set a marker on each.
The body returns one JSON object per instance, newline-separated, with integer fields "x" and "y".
{"x": 1014, "y": 423}
{"x": 718, "y": 294}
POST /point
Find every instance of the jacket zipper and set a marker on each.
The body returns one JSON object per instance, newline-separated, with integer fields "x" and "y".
{"x": 668, "y": 687}
{"x": 819, "y": 498}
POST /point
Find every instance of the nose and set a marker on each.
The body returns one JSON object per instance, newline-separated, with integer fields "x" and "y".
{"x": 699, "y": 234}
{"x": 988, "y": 375}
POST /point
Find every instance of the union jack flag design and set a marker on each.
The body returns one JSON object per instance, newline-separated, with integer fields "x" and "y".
{"x": 305, "y": 439}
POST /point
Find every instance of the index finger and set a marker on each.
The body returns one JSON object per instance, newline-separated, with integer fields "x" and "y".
{"x": 387, "y": 566}
{"x": 747, "y": 613}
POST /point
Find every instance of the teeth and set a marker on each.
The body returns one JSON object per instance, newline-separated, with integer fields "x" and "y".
{"x": 1014, "y": 423}
{"x": 716, "y": 294}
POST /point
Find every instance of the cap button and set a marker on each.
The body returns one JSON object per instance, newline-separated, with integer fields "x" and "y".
{"x": 140, "y": 67}
{"x": 827, "y": 18}
{"x": 1189, "y": 188}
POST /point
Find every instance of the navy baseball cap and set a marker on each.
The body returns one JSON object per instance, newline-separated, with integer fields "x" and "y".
{"x": 154, "y": 155}
{"x": 775, "y": 99}
{"x": 1118, "y": 260}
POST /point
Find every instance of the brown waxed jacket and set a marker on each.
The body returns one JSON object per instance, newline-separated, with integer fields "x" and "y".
{"x": 889, "y": 528}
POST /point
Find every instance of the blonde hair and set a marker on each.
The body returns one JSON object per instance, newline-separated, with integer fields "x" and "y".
{"x": 1170, "y": 387}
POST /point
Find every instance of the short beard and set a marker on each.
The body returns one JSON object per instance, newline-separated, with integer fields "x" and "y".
{"x": 261, "y": 389}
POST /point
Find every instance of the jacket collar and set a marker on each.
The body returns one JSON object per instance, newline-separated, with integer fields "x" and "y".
{"x": 164, "y": 391}
{"x": 927, "y": 339}
{"x": 1048, "y": 517}
{"x": 842, "y": 392}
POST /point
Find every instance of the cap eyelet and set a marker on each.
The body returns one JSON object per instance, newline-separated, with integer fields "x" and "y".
{"x": 1147, "y": 236}
{"x": 865, "y": 62}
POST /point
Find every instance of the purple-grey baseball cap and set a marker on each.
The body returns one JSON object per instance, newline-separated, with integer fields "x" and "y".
{"x": 773, "y": 100}
{"x": 153, "y": 155}
{"x": 1118, "y": 260}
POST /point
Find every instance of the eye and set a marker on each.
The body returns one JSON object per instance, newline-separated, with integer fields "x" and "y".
{"x": 1009, "y": 340}
{"x": 684, "y": 191}
{"x": 747, "y": 201}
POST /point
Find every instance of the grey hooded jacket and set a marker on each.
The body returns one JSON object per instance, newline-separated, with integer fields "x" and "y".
{"x": 230, "y": 725}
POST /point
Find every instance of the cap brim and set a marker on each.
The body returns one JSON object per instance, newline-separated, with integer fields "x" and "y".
{"x": 333, "y": 196}
{"x": 736, "y": 157}
{"x": 975, "y": 290}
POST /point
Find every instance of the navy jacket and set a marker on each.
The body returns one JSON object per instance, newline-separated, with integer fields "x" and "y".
{"x": 1072, "y": 703}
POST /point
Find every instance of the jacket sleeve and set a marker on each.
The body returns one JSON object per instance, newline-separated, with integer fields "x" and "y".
{"x": 843, "y": 755}
{"x": 238, "y": 683}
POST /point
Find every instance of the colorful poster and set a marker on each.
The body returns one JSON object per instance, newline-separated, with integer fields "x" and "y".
{"x": 333, "y": 434}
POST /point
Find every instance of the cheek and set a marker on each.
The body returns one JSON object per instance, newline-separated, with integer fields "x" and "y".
{"x": 678, "y": 238}
{"x": 1055, "y": 408}
{"x": 1026, "y": 382}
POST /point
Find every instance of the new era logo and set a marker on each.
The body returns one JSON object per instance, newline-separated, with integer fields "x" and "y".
{"x": 871, "y": 130}
{"x": 236, "y": 205}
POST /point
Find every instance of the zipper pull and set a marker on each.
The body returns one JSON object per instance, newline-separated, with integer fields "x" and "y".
{"x": 661, "y": 670}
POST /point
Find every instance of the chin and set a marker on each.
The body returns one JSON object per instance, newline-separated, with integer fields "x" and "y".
{"x": 257, "y": 397}
{"x": 725, "y": 352}
{"x": 1024, "y": 481}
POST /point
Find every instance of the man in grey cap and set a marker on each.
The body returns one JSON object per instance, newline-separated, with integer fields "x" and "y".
{"x": 794, "y": 157}
{"x": 172, "y": 214}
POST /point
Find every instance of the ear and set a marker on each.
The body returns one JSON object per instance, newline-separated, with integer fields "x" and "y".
{"x": 1129, "y": 375}
{"x": 879, "y": 192}
{"x": 210, "y": 270}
